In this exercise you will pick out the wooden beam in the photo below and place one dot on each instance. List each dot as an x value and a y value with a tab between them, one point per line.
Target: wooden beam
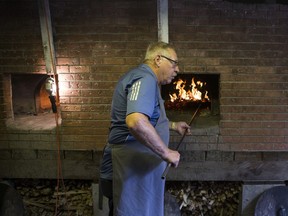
47	169
245	171
162	12
47	36
230	171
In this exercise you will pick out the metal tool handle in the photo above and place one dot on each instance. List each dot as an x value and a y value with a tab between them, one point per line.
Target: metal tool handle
182	138
166	171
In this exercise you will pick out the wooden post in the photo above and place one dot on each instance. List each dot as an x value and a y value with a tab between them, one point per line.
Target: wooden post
162	10
47	36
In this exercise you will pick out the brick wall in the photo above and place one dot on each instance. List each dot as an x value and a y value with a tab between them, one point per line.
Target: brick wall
247	45
97	41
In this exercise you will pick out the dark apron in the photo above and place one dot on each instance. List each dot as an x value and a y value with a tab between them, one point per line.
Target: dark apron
137	185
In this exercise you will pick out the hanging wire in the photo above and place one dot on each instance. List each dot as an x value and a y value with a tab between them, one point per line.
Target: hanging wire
60	179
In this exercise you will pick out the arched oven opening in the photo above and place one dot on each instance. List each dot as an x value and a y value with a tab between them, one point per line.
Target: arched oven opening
29	96
31	107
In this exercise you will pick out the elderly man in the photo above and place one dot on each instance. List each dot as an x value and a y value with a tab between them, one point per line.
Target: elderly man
137	150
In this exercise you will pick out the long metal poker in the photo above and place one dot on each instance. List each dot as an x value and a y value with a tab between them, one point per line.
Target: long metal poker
181	140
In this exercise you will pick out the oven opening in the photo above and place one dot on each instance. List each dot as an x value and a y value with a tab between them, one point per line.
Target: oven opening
187	92
29	105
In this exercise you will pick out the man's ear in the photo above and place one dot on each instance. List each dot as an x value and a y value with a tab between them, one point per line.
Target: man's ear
157	60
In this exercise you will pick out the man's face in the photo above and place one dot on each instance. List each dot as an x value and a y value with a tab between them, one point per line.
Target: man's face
169	67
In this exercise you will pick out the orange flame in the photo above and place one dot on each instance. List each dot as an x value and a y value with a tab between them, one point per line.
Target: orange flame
192	94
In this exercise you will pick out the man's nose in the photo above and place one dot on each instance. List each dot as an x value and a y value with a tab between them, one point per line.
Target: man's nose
176	69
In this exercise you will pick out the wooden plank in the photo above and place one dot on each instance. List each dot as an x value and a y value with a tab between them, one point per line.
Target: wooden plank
162	12
47	169
47	36
230	171
187	171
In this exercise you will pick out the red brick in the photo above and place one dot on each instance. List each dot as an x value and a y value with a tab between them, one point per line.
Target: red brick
79	69
71	108
67	61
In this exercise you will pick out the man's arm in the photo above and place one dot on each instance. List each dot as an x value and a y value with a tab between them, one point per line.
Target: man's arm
141	128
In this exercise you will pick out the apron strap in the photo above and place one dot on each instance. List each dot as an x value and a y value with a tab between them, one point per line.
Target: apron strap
100	196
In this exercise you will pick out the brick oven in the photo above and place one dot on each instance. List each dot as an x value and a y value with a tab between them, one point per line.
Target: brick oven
187	92
183	97
239	50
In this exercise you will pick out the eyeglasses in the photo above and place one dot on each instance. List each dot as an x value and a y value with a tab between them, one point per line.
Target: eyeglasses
173	62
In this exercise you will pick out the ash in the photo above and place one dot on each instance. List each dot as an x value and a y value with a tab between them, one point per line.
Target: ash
40	197
206	198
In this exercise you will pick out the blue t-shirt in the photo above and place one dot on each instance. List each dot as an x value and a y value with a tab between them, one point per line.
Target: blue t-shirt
136	91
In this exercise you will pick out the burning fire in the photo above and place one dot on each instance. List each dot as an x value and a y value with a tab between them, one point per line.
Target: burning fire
194	92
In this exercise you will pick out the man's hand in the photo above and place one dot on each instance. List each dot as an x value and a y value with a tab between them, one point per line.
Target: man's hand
181	127
172	157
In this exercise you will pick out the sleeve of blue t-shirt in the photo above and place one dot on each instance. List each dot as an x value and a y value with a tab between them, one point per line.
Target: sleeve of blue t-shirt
142	96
